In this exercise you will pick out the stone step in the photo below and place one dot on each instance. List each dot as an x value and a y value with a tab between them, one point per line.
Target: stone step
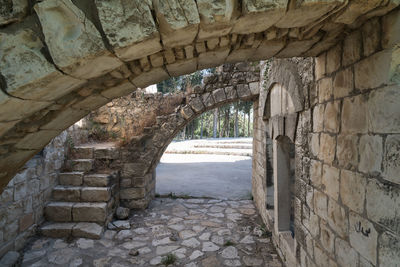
65	230
77	212
71	178
81	165
81	193
79	152
79	178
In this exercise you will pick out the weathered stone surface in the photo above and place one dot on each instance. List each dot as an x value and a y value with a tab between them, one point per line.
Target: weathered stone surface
71	193
59	211
383	205
216	17
57	230
384	110
354	115
178	21
391	26
122	213
71	178
119	90
389	249
343	83
96	180
330	180
321	204
345	254
13	10
257	16
337	219
347	151
182	67
84	54
95	194
306	12
352	190
391	157
37	140
331	117
153	76
129	27
212	58
365	245
18	61
89	212
10	259
356	9
87	230
371	152
327	148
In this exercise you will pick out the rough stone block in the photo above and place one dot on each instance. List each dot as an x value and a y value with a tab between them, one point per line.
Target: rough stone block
243	91
327	148
314	144
371	36
13	11
84	55
347	151
389	249
343	83
27	73
318	118
384	110
133	193
95	194
187	112
59	211
62	193
120	90
208	100
327	237
71	178
325	89
82	152
316	173
391	29
365	245
64	118
352	48
96	180
57	230
89	212
352	190
354	115
129	27
391	159
304	13
219	95
345	254
216	17
355	9
376	70
153	76
294	48
333	58
371	154
196	104
257	16
321	204
178	21
212	58
320	66
87	230
331	117
82	165
383	205
267	49
182	67
330	181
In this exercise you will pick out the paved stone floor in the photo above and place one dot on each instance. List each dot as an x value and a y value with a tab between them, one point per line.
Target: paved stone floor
193	232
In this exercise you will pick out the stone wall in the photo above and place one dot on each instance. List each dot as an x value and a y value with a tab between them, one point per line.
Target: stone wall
23	200
346	133
145	124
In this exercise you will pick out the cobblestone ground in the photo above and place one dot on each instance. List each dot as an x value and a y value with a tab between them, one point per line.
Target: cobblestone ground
183	232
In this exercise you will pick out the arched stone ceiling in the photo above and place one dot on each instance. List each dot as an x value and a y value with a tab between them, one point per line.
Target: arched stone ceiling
59	59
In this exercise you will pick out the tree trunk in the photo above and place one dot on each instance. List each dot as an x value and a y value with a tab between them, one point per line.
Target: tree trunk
192	130
248	125
220	131
215	118
227	123
201	127
236	134
244	124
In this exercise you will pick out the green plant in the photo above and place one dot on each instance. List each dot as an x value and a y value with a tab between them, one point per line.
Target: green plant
70	142
169	259
229	243
157	195
265	231
172	195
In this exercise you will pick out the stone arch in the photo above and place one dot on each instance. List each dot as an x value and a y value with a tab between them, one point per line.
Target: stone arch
51	78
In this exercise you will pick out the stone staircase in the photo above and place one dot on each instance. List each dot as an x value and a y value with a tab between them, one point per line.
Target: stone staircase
85	200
